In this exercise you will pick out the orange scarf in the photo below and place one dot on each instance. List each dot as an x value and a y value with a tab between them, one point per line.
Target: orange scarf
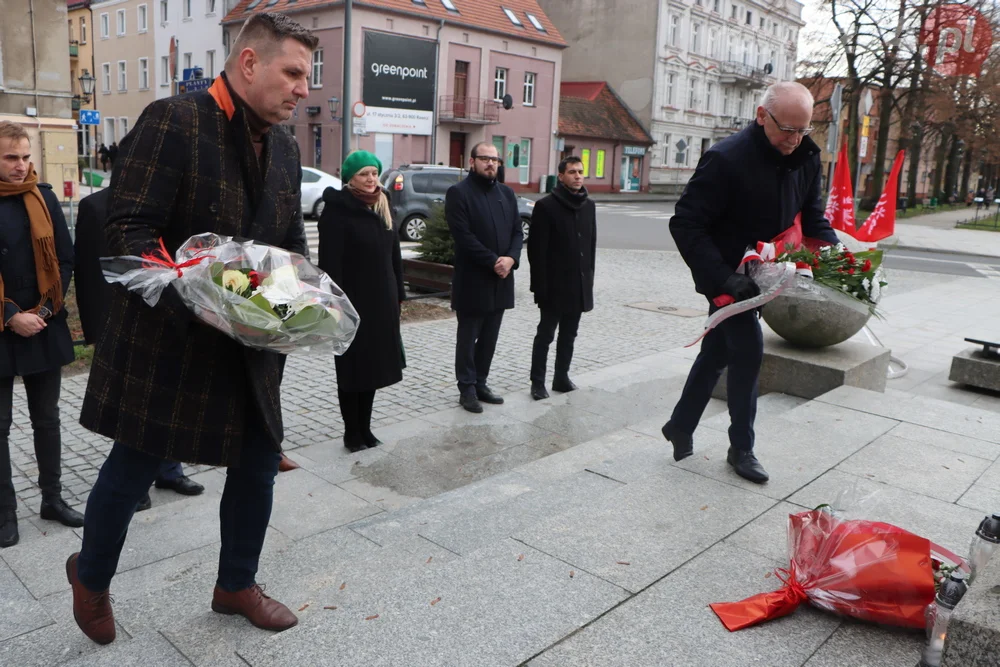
42	241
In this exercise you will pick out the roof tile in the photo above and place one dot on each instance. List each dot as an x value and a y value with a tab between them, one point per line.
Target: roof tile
593	109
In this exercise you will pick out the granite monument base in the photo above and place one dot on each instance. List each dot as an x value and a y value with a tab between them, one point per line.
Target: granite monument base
974	629
976	369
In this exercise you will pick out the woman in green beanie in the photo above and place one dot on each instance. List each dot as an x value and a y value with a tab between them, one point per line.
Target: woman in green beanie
359	249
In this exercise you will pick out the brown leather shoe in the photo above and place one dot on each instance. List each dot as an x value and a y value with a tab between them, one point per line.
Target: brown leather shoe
253	605
91	610
286	464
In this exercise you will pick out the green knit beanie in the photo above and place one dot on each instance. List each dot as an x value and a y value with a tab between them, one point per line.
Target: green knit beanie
357	161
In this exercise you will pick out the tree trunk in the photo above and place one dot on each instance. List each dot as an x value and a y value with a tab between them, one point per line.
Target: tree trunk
913	176
967	170
940	154
954	160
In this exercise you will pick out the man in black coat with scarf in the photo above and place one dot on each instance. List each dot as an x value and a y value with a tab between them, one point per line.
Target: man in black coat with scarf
561	254
483	219
747	188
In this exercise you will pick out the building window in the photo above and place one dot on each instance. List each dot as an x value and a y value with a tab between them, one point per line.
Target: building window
692	93
731	49
749	18
122	77
713	44
734	11
696	38
187	8
165	71
675	30
225	44
529	89
535	22
709	90
499	83
210	64
164	13
83	30
109	131
666	149
525	161
120	22
599	167
585	162
105	26
141	15
741	111
762	23
143	73
450	6
187	61
681	158
726	102
746	52
106	78
774	28
210	7
513	17
317	69
124	126
715	5
671	81
774	60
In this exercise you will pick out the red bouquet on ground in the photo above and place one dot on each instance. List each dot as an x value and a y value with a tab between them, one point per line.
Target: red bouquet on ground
868	570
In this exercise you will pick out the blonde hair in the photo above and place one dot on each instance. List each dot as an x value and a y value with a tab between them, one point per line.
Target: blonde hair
382	208
11	130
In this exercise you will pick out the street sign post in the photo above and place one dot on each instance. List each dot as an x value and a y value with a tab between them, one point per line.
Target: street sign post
193	84
90	117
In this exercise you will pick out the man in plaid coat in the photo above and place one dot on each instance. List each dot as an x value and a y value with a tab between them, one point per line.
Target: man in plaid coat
162	385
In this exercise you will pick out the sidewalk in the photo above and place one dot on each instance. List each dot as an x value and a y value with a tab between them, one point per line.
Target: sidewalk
937	232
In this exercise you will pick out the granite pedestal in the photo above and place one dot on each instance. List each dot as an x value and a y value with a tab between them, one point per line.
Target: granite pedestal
974	629
808	373
976	369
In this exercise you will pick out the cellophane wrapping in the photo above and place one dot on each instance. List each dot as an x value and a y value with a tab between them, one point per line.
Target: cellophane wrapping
276	300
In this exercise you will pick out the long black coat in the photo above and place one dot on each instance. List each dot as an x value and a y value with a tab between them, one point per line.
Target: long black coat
52	347
363	258
162	382
485	224
742	192
563	251
93	292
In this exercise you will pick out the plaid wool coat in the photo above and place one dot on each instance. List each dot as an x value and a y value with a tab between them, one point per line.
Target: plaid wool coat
162	382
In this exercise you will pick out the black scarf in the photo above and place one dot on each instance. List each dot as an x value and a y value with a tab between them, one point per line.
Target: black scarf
482	181
574	200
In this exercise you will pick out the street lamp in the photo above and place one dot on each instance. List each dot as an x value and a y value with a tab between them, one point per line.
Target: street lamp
87	88
334	104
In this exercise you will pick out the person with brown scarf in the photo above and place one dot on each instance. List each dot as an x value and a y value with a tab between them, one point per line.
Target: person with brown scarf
36	261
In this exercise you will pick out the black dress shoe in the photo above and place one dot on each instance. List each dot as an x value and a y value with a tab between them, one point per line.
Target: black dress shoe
371	440
144	504
182	485
562	383
57	510
469	401
8	529
747	466
682	442
538	391
354	444
486	395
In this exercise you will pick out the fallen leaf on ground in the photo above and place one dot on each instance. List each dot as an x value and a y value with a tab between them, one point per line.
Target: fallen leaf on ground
946	467
310	495
707	459
429	559
343	586
962	460
767	576
329	607
521	557
435	601
624	562
379	500
371	618
572	574
704	507
303	607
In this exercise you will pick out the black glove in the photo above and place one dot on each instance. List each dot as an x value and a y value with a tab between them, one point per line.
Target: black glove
740	287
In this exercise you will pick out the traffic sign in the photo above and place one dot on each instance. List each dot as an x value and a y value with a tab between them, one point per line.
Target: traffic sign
193	85
90	117
358	109
864	147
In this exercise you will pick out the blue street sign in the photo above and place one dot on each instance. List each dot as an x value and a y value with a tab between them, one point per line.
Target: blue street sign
193	85
192	73
90	117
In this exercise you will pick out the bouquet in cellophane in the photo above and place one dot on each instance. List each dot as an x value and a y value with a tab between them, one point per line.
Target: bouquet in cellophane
262	296
868	570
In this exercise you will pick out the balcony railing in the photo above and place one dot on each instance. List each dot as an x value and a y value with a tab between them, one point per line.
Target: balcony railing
468	110
74	49
733	123
737	72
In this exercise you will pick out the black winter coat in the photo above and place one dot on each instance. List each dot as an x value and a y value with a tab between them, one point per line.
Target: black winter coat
52	347
562	251
742	192
93	292
483	219
363	258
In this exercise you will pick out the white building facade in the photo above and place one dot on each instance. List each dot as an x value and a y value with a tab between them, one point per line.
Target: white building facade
196	28
714	59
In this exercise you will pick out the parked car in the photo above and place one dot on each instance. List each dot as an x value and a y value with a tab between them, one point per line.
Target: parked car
414	188
314	182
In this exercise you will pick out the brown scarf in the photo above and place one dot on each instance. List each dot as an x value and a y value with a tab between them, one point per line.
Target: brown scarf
43	242
366	198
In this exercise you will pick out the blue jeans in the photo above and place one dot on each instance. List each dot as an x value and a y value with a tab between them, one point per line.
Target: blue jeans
244	511
737	343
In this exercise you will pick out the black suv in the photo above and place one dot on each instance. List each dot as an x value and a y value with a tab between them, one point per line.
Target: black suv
414	188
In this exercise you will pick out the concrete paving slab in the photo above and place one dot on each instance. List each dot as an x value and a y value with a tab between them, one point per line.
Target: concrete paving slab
652	526
867	645
23	560
331	461
671	623
494	609
148	650
947	441
917	467
305	504
20	613
981	497
767	535
578	425
492	464
615	446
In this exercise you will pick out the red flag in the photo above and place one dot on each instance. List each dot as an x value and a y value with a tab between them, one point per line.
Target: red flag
881	224
840	205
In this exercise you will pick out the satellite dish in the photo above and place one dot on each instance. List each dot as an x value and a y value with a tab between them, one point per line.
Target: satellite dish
768	68
508	102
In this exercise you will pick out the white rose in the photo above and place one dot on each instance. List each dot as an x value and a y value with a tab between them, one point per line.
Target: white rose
235	281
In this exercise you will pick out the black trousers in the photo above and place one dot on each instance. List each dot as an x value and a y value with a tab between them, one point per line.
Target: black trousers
474	347
43	409
737	343
356	410
568	324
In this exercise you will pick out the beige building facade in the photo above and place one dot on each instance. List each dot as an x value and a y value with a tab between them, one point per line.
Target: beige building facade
81	61
124	49
35	87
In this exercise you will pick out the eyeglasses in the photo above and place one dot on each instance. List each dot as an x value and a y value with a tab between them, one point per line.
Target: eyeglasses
804	131
487	158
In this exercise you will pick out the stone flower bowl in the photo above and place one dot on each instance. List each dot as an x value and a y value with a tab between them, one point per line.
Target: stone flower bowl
807	321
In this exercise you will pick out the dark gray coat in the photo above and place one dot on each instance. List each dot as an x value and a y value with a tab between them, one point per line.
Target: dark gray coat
52	347
483	219
562	252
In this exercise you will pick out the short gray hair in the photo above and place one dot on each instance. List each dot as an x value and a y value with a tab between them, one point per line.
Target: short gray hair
785	89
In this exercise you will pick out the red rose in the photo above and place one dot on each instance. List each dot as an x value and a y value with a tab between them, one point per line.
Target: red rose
850	271
850	259
254	279
867	266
